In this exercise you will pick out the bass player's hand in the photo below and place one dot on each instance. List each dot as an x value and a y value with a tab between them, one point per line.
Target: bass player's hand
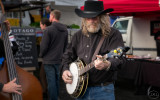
67	76
12	87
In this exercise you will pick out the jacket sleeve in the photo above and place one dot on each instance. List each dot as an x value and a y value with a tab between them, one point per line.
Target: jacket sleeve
70	55
44	43
65	42
116	41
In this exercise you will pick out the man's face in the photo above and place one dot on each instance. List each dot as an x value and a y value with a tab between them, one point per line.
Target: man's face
51	18
92	24
48	9
43	27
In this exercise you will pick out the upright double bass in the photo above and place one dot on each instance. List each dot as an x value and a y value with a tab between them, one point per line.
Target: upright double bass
31	88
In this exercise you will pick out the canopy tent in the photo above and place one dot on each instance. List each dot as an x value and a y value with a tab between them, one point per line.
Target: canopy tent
132	7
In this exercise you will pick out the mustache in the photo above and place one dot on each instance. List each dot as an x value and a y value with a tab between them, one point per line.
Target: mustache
94	24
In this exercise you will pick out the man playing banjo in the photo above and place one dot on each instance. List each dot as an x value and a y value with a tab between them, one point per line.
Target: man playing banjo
95	24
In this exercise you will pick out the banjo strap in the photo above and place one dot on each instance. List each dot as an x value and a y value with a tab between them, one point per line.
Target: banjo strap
98	48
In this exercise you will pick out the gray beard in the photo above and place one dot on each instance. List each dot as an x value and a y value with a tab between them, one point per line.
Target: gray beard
94	30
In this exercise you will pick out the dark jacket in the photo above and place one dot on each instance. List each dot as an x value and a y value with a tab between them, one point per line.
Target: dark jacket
53	44
157	35
1	86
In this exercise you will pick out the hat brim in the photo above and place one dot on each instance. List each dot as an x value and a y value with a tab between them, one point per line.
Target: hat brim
86	14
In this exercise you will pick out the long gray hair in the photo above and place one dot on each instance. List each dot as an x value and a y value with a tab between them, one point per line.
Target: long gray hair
104	22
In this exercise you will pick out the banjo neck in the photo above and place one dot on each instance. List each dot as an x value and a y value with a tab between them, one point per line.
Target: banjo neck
86	68
91	65
116	53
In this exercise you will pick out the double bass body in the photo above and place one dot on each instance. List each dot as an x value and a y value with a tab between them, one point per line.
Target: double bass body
31	88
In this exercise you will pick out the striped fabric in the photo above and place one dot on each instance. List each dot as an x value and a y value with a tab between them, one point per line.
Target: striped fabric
12	38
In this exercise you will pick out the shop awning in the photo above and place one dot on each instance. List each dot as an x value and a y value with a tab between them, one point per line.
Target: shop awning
132	7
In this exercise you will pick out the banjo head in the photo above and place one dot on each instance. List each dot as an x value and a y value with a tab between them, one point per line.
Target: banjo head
74	71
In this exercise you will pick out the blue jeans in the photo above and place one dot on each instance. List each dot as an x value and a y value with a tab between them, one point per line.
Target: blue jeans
52	76
99	93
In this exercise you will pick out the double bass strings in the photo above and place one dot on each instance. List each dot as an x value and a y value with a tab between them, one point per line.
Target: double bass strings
10	60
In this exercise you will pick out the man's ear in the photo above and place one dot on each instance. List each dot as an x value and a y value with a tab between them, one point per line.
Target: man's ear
53	16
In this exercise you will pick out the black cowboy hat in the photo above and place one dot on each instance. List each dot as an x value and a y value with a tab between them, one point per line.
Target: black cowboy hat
92	9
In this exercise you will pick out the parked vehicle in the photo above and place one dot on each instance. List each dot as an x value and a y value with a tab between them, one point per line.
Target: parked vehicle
14	18
136	33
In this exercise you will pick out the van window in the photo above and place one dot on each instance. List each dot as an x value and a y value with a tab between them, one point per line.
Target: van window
121	26
15	14
9	15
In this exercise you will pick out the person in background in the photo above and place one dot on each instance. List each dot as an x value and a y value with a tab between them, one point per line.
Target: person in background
48	9
95	24
44	23
53	44
113	18
157	39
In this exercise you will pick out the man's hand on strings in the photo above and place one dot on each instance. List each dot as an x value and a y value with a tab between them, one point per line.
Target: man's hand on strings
101	63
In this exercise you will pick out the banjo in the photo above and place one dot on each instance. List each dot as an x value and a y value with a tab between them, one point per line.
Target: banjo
80	76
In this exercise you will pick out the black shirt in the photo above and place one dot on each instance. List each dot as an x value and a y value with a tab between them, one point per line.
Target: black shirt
83	46
1	86
14	48
2	53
